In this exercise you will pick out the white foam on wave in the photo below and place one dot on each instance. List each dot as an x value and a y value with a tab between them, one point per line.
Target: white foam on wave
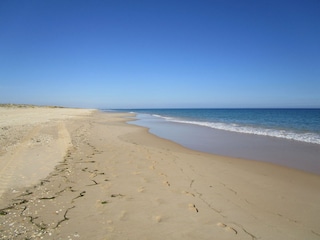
232	127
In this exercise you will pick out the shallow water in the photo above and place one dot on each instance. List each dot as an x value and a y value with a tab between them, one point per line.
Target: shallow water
293	124
295	154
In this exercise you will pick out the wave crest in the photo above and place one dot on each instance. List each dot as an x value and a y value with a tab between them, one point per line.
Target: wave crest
232	127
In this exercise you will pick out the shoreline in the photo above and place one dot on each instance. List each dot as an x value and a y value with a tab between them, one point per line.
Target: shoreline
283	152
118	181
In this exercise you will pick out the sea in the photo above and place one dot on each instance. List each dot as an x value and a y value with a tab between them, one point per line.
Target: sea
289	137
294	124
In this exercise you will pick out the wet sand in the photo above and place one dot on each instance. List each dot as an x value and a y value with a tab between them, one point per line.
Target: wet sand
117	181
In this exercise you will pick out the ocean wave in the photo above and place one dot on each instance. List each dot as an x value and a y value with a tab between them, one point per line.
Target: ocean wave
232	127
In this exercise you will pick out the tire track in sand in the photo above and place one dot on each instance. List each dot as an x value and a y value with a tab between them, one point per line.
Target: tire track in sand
29	162
11	160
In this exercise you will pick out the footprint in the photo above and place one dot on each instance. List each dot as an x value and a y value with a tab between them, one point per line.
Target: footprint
145	180
152	167
227	228
219	224
141	189
110	226
193	207
166	183
188	193
157	219
123	215
117	195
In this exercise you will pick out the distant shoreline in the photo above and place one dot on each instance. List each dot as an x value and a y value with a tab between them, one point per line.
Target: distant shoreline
13	105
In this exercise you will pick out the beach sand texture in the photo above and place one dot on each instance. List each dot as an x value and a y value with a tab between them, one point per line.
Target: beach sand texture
83	174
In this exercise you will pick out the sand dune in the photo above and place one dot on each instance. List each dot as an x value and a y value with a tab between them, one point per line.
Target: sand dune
117	181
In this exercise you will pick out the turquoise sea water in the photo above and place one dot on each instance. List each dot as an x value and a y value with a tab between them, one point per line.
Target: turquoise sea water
294	124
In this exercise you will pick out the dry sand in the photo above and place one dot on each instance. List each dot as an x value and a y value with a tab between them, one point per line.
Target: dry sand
96	177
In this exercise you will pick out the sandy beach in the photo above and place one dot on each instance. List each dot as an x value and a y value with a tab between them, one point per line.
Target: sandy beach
83	174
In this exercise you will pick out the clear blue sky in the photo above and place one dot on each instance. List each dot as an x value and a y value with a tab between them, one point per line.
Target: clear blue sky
165	53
